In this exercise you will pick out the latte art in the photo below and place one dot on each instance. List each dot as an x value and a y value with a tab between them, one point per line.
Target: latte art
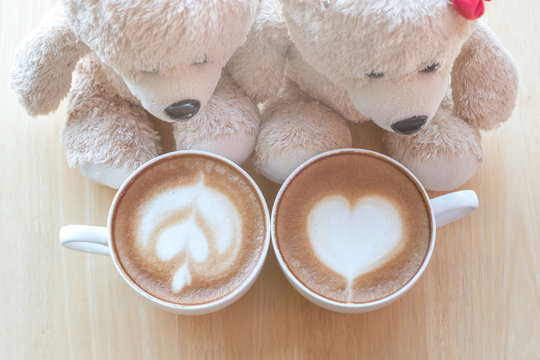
196	223
189	229
351	227
353	239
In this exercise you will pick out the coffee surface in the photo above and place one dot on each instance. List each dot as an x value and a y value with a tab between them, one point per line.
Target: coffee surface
352	227
189	229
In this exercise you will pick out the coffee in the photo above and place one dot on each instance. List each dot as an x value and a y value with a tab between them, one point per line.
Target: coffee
188	229
352	227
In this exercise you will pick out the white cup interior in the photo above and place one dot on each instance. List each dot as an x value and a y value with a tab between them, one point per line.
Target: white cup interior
330	303
195	309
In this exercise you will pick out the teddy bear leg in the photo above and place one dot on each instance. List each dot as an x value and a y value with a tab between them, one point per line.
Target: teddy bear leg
294	129
226	126
443	155
106	137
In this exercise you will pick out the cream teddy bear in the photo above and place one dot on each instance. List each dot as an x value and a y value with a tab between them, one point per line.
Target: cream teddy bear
418	69
137	61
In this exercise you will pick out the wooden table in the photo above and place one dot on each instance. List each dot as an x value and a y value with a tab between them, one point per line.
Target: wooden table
478	299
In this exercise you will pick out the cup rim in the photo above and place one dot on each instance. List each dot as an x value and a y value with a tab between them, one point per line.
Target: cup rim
336	305
208	306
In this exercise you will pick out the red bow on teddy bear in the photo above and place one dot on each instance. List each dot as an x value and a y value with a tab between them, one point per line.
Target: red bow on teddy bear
469	9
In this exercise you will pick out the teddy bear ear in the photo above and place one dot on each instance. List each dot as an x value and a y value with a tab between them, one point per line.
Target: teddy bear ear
44	62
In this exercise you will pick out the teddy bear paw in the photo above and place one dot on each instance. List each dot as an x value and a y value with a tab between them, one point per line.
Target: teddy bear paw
443	172
443	155
106	174
235	148
279	166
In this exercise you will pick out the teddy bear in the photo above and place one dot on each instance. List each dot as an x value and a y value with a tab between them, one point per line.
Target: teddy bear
427	72
126	65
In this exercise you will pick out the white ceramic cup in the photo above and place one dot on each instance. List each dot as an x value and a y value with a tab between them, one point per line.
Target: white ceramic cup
442	210
95	239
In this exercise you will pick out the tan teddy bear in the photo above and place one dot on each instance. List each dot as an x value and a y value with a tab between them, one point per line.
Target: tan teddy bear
138	61
418	69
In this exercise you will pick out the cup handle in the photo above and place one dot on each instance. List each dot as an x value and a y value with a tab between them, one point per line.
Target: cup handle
451	207
91	239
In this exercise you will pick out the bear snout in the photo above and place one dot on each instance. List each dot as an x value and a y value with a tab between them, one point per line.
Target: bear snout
409	126
183	110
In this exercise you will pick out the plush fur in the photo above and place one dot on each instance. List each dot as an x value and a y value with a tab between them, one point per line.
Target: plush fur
135	59
294	111
225	126
39	86
369	59
262	57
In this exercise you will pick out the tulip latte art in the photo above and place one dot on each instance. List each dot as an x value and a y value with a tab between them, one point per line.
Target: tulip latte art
189	230
352	227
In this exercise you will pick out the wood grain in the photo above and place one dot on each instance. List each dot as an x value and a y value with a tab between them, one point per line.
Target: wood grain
478	299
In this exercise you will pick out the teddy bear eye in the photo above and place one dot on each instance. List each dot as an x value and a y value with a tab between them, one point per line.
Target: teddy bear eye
375	75
431	68
203	61
152	71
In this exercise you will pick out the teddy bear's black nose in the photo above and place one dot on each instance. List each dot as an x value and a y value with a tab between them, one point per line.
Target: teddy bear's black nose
409	126
183	110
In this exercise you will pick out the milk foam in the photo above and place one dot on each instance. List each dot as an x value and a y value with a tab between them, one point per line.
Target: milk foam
205	228
353	239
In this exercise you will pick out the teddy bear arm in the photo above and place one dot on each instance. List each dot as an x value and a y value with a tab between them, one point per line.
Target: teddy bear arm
228	125
105	136
484	81
443	155
295	128
258	66
44	62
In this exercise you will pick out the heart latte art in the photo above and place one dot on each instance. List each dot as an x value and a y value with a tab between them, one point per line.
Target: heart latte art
352	227
352	239
190	229
196	224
